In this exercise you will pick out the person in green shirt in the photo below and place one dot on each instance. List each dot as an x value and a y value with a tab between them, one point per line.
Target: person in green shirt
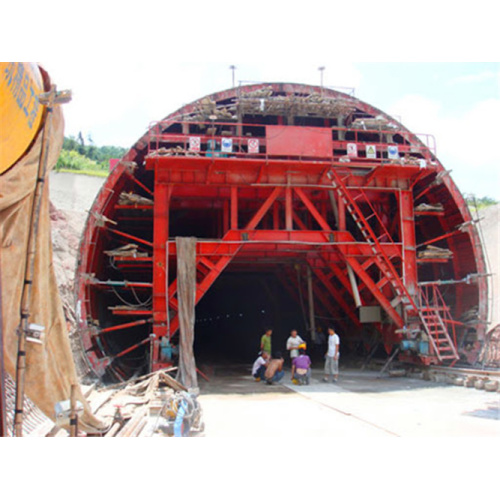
265	341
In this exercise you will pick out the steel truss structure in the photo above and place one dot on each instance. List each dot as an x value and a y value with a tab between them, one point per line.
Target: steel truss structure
283	178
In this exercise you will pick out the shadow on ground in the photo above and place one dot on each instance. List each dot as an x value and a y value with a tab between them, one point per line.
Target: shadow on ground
237	379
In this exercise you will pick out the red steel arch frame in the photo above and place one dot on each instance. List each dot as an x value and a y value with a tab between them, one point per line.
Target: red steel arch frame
276	206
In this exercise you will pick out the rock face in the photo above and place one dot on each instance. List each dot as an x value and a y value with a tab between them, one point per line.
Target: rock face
66	230
71	196
489	225
490	228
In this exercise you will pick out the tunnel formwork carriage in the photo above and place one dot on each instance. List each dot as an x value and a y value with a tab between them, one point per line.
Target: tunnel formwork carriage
330	204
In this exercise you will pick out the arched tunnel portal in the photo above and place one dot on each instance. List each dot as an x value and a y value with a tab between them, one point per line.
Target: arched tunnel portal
307	207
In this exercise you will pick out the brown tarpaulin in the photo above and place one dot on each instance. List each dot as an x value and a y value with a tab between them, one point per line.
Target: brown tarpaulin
50	371
186	293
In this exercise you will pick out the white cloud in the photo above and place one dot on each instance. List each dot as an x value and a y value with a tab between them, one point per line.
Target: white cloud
474	78
115	101
466	144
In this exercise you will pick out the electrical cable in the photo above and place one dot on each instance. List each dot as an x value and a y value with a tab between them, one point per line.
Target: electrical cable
132	306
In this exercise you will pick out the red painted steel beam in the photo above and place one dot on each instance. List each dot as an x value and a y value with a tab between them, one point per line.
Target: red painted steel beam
217	268
163	194
409	263
132	312
254	222
335	293
130	237
341	276
372	287
132	348
139	183
440	238
292	283
325	300
123	326
312	209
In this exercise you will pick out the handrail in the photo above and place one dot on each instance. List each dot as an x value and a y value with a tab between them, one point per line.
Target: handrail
240	133
433	298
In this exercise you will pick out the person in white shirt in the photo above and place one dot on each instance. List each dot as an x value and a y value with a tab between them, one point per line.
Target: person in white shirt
332	356
259	366
292	344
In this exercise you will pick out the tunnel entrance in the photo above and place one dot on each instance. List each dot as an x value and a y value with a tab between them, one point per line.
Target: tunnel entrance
236	311
280	179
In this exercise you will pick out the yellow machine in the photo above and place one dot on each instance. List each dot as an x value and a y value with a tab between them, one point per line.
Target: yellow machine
20	110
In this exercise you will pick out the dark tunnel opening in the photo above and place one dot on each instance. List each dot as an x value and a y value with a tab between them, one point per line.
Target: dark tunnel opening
236	311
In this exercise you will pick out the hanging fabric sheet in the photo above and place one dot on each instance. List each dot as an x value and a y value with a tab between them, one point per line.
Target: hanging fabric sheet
186	293
50	370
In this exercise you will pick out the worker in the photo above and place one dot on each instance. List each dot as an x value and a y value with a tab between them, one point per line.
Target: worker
332	356
274	371
301	368
168	351
259	366
319	341
265	341
292	345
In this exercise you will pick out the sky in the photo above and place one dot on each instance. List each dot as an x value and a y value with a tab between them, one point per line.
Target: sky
131	63
456	103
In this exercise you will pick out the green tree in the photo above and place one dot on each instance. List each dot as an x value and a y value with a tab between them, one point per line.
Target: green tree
78	156
482	202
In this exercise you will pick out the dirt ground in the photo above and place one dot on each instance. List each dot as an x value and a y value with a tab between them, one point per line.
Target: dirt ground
362	403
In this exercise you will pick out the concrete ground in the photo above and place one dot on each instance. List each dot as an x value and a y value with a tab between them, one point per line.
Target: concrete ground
360	404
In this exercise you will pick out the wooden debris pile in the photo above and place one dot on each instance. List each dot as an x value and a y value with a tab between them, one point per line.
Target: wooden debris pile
433	252
263	103
470	316
411	160
35	423
133	199
377	123
153	405
490	353
208	110
173	151
427	207
130	250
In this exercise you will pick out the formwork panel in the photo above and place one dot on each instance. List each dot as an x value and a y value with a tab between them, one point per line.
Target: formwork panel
311	142
356	199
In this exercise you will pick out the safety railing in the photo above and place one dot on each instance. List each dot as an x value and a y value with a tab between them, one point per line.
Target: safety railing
347	144
432	298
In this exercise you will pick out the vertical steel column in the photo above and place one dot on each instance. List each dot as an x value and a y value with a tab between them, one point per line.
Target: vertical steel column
234	207
312	317
410	272
288	209
163	194
342	218
225	217
276	216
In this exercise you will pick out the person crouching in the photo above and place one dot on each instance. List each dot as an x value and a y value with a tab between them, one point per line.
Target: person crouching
259	366
301	368
274	371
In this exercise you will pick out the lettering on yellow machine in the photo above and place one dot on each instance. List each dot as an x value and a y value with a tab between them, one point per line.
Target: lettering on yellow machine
20	110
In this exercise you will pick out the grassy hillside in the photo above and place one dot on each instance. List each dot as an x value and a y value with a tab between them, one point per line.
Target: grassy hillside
81	158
